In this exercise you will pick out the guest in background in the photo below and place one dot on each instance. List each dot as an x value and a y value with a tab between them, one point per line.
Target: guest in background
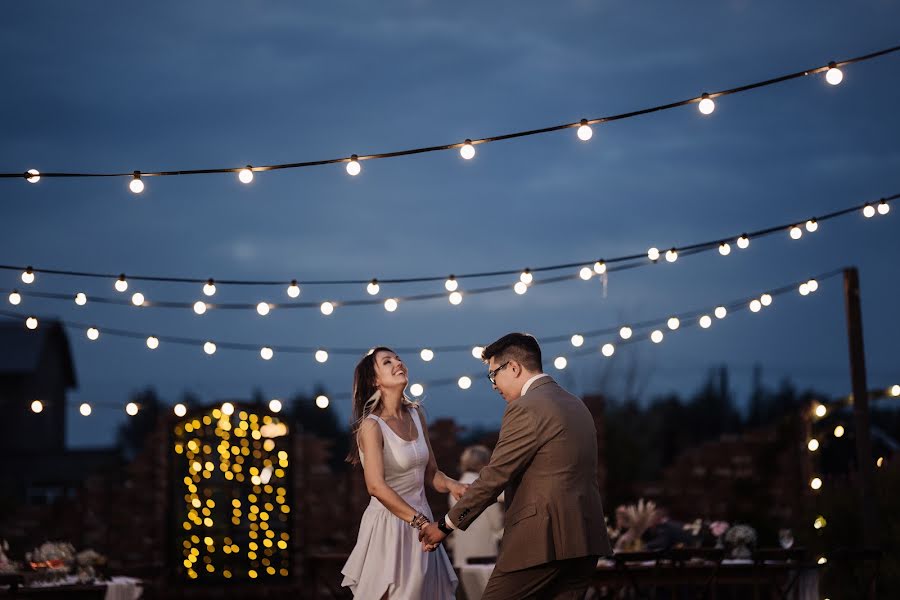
665	533
483	535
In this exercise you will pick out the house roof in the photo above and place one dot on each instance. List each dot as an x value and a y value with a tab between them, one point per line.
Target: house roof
21	349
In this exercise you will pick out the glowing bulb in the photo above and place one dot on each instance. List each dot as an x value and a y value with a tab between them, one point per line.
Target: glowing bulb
804	289
121	284
266	353
599	267
180	410
724	249
755	306
262	308
275	405
327	308
85	409
15	298
520	288
451	284
293	290
839	431
766	299
80	299
584	131
137	299
812	225
93	333
820	522
880	461
673	323
210	288
28	276
625	332
834	75
321	356
868	211
816	483
743	242
152	342
209	348
526	277
33	176
136	185
455	298
199	307
467	151
560	362
657	336
895	391
608	350
586	273
373	288
37	406
653	254
228	409
721	312
476	352
706	106
464	382
813	285
390	304
322	401
822	560
883	207
416	389
821	411
31	323
577	340
353	167
131	408
246	174
705	322
813	445
672	255
426	355
796	233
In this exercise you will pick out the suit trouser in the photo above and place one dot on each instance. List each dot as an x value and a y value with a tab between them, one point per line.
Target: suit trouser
557	580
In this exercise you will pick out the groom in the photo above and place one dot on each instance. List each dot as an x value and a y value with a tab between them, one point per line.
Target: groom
546	460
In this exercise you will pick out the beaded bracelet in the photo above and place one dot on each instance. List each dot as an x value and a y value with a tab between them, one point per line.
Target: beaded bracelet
418	521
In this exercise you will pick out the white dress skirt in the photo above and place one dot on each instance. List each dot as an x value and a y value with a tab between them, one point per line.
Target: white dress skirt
388	556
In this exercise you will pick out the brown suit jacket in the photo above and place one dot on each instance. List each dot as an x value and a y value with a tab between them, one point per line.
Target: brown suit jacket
546	460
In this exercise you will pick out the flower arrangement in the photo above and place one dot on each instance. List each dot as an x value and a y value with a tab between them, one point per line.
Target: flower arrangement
6	565
741	540
637	518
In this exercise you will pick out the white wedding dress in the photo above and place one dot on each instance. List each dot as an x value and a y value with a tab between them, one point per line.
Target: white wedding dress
388	556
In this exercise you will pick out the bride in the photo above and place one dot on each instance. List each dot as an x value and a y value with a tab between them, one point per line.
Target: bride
391	437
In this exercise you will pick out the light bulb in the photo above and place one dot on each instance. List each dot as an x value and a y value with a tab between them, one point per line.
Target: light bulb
263	308
813	445
321	356
28	276
476	352
608	350
246	174
353	167
327	308
672	255
209	348
426	355
131	408
706	106
80	299
293	290
834	75
721	312
85	409
373	288
599	267
879	462
560	362
653	254
812	225
416	389
137	299
585	273
33	176
152	342
199	307
15	298
121	283
673	323
816	483
625	332
467	151
883	207
520	288
813	285
136	185
895	391
37	406
464	382
839	431
390	304
93	333
804	289
584	131
455	298
322	401
743	242
820	522
724	249
868	211
657	336
577	340
451	284
275	405
820	410
526	277
705	322
765	299
796	233
210	288
266	353
755	306
31	323
180	410
228	409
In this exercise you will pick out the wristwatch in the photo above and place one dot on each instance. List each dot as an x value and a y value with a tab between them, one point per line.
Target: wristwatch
442	525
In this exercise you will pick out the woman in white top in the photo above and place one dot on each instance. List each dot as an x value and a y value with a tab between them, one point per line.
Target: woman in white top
391	438
482	538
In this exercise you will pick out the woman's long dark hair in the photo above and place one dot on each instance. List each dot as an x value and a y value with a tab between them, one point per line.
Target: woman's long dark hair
363	404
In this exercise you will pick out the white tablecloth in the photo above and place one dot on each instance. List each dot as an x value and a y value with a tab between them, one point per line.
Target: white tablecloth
117	588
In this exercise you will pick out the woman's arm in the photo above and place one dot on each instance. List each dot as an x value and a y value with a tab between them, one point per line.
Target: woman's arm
372	443
434	476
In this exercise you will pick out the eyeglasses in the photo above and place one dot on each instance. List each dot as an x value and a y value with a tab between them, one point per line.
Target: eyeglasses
492	375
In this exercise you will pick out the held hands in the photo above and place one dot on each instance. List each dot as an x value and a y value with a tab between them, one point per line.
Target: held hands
457	489
431	537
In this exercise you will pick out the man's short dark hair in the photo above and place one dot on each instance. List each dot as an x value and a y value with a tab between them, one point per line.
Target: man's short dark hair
520	347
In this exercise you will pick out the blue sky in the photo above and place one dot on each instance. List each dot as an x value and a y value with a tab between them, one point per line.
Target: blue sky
109	87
